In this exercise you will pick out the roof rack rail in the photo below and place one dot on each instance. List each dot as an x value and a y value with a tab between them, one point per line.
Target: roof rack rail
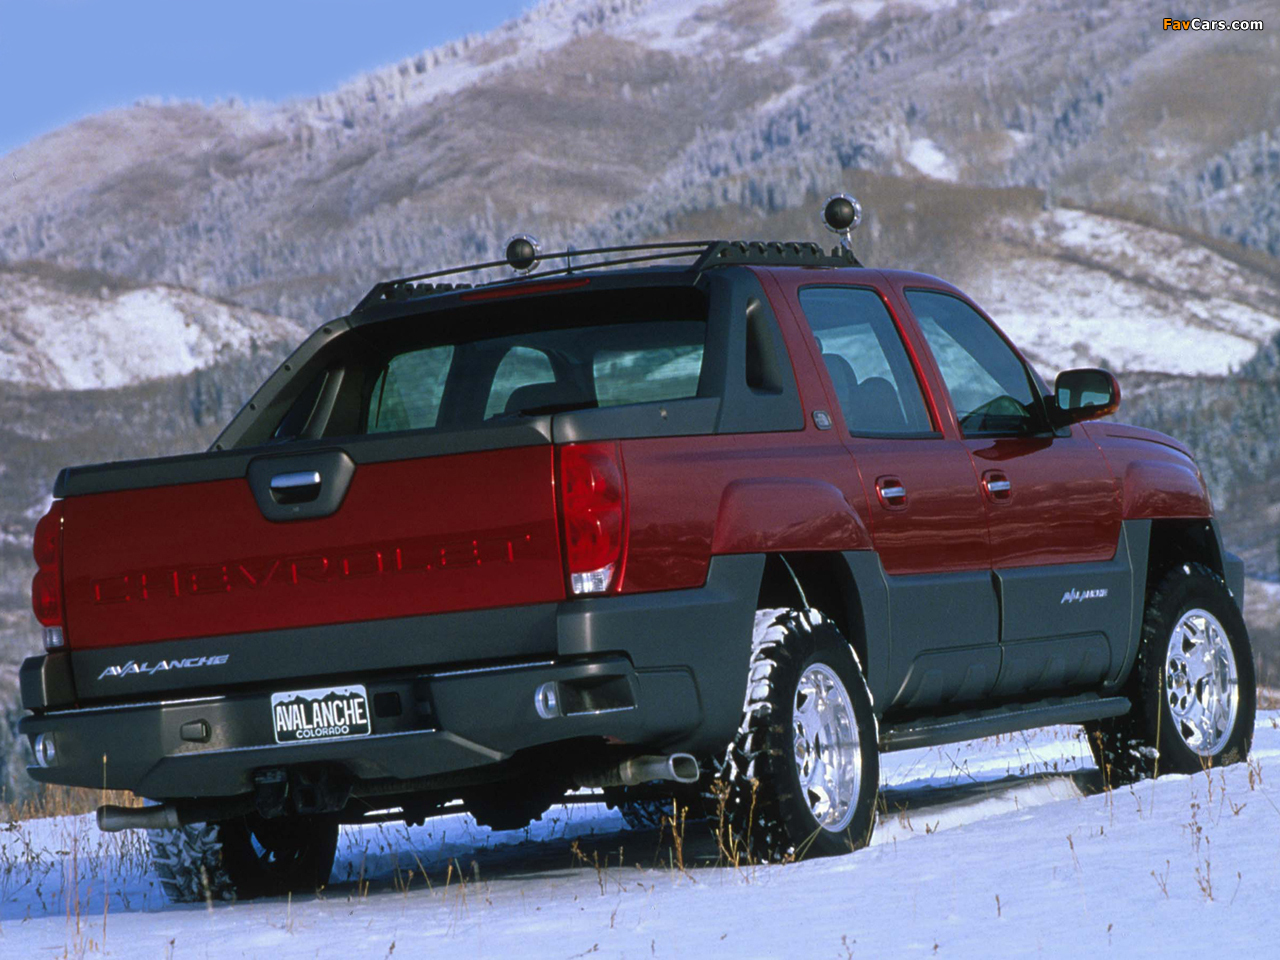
707	253
773	253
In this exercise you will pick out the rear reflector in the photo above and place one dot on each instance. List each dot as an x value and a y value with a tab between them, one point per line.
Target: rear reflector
593	504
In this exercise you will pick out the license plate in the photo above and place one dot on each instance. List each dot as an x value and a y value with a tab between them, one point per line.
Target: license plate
328	713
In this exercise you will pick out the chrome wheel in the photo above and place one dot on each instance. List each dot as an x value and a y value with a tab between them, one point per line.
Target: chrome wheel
827	757
1201	682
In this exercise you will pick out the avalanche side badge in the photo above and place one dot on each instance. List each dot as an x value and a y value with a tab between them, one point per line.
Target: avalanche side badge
328	713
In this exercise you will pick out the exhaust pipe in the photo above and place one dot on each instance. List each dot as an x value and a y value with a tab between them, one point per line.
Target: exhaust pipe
113	819
168	816
678	767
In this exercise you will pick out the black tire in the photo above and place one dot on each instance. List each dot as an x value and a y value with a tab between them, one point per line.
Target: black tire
1148	741
188	863
244	857
767	809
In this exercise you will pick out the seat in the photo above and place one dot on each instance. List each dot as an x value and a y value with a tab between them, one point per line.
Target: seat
843	379
876	408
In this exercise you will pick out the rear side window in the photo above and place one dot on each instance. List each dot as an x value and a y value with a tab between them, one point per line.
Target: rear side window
874	380
989	385
407	394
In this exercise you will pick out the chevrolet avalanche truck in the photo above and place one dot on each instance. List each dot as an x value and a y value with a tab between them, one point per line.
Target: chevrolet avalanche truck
734	526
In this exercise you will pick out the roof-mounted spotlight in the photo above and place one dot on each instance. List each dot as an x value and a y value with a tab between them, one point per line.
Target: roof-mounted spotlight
523	251
842	213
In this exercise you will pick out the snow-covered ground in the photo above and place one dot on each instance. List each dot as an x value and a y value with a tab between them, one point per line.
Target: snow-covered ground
998	848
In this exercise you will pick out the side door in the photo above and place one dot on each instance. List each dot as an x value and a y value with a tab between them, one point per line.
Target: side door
1053	508
927	518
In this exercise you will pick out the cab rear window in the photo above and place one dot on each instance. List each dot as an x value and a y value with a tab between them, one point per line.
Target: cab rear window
603	350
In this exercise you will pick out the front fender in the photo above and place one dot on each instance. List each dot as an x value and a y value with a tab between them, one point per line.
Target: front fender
775	514
1163	488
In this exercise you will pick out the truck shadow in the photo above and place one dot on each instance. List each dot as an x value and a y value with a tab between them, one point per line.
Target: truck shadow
586	841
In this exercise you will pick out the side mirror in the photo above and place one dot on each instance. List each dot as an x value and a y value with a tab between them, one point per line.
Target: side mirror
1085	394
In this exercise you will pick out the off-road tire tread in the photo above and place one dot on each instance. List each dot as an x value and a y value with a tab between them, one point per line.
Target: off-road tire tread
188	863
757	771
645	814
1127	748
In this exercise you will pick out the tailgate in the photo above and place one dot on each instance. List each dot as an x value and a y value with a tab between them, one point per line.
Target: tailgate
407	537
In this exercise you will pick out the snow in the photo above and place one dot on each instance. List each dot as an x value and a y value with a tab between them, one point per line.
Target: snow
767	30
1082	289
927	157
62	339
704	30
1005	847
997	17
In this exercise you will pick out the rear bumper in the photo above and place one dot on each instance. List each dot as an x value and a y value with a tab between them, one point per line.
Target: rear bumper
160	750
674	665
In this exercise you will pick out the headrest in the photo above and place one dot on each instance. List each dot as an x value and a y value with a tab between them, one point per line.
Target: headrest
878	408
842	376
534	395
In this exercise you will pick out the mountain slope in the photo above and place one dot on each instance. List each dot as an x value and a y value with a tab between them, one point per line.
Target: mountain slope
586	117
74	330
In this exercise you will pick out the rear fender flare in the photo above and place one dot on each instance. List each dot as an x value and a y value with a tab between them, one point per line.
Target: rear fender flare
777	515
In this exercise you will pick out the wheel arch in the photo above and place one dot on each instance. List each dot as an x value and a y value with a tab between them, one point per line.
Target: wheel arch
1176	541
1164	544
846	588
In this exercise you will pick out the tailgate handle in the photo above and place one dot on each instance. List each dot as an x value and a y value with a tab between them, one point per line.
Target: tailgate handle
300	486
303	486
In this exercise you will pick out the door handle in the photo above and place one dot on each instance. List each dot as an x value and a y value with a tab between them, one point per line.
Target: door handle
891	492
997	486
300	486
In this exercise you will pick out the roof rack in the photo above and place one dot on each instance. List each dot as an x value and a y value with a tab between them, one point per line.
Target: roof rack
706	254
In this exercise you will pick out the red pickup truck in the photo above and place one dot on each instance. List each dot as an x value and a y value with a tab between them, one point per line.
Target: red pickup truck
629	525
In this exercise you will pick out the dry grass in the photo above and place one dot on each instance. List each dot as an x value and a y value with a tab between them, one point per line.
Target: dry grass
58	801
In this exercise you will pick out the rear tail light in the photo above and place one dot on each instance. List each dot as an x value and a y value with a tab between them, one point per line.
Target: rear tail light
46	597
593	503
46	586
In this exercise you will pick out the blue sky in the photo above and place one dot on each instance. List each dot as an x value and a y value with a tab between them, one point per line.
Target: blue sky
64	59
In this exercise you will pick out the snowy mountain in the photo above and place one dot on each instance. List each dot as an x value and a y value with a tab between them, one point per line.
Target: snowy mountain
1074	288
58	332
1109	191
587	119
